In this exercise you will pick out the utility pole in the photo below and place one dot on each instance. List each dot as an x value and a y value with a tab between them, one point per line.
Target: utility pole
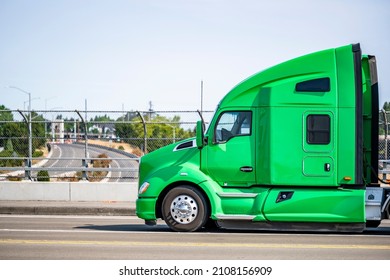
201	96
150	110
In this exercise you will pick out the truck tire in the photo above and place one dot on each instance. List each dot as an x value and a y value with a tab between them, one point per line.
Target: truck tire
184	208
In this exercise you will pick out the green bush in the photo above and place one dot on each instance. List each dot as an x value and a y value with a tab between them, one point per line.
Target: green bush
9	162
43	176
37	153
14	178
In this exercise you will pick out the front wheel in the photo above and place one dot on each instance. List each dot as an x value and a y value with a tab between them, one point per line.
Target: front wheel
184	208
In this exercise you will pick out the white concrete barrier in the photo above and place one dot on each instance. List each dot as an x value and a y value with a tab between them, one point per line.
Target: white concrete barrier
103	191
68	191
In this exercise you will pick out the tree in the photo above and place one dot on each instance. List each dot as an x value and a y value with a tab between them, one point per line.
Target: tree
9	146
69	125
386	106
161	131
127	128
38	131
8	130
6	116
15	134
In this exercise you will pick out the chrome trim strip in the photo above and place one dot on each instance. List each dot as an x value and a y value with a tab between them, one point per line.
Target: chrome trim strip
236	217
240	195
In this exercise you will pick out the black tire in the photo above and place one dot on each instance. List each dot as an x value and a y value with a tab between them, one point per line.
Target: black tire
184	208
211	224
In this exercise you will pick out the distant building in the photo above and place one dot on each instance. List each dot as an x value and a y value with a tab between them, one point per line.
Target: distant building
106	131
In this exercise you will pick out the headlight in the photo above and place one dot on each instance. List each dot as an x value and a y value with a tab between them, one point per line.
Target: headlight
143	188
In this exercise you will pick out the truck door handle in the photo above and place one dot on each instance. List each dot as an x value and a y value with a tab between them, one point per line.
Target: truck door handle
246	169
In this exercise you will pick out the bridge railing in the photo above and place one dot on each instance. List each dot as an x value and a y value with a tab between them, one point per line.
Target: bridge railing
82	169
77	145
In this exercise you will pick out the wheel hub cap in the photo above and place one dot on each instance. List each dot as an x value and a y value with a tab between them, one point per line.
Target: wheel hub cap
184	209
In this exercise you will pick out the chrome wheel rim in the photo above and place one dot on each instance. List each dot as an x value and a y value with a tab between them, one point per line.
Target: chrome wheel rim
184	209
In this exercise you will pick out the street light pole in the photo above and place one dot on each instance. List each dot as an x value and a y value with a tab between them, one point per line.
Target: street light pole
29	162
46	99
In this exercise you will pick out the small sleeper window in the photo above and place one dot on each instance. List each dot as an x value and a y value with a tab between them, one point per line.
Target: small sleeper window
316	85
318	129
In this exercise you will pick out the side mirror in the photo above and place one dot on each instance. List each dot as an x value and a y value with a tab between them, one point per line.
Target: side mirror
199	134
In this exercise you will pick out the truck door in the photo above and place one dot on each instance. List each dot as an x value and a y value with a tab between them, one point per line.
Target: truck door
229	157
318	146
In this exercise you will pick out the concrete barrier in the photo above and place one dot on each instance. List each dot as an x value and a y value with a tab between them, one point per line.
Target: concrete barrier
68	191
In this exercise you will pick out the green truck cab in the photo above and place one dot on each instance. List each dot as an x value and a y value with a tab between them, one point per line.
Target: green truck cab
294	147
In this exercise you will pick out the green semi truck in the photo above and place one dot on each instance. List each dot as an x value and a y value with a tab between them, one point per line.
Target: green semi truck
293	147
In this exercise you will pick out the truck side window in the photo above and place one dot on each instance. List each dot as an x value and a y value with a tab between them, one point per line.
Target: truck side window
318	129
231	124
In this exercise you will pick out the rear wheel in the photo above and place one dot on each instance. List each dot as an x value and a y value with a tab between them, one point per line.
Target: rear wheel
184	208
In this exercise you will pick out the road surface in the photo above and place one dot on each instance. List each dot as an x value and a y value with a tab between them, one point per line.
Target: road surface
127	238
69	156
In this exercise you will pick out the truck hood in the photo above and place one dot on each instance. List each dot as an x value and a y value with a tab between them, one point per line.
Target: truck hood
173	157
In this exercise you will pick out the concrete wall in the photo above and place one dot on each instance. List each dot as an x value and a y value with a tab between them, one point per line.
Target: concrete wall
68	191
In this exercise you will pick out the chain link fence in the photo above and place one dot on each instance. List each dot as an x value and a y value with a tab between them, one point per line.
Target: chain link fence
71	145
384	145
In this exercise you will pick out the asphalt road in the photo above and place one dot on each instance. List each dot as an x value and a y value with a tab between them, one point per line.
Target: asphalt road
69	156
124	238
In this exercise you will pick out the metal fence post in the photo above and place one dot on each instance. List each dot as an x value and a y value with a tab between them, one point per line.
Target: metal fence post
27	171
145	133
85	160
84	163
28	161
201	117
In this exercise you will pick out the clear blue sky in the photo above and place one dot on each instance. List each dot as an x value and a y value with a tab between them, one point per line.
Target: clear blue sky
118	53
